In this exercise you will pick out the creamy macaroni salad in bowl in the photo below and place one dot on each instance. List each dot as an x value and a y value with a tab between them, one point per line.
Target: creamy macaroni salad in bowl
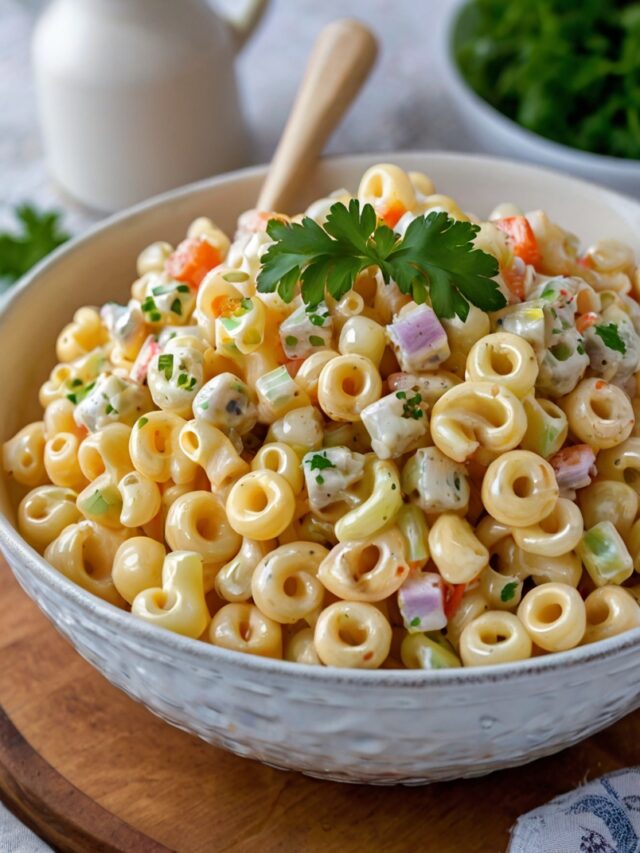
394	432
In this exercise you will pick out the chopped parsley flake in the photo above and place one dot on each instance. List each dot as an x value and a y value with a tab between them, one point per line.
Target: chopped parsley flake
401	395
580	349
415	622
291	340
246	303
204	406
318	319
316	341
149	304
183	379
165	364
411	409
611	337
142	422
320	479
508	591
456	482
183	288
78	396
176	307
318	462
155	317
108	409
548	293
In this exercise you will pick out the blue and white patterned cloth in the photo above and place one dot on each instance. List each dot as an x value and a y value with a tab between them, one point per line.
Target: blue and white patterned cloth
602	816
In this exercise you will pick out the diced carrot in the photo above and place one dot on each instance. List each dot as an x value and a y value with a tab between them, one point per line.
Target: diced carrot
586	261
522	241
223	305
600	384
585	321
393	213
514	279
192	260
452	597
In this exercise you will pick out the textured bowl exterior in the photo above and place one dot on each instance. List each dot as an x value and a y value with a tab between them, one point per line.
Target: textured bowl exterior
381	726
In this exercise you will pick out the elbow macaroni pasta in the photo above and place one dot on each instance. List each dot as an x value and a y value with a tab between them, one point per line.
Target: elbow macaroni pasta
362	483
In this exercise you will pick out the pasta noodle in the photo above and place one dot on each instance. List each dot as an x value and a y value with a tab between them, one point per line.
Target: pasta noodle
354	465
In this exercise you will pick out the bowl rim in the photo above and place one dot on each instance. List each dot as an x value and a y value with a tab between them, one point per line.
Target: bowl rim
619	166
196	651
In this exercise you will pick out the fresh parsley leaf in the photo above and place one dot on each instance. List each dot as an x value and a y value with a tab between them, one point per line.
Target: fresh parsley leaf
611	337
165	364
508	591
318	462
39	234
435	258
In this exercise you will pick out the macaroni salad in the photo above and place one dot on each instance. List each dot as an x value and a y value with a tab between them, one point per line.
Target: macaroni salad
383	475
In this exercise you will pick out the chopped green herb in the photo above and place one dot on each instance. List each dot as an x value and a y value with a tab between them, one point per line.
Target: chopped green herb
183	379
291	340
319	479
143	421
176	307
192	383
162	290
318	462
508	591
155	316
204	405
435	257
456	482
611	337
75	383
108	410
411	409
149	304
561	352
318	320
316	341
401	395
580	348
165	364
97	504
183	288
78	396
246	304
415	622
548	293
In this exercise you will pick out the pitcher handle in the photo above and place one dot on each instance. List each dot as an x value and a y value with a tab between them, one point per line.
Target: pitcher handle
244	22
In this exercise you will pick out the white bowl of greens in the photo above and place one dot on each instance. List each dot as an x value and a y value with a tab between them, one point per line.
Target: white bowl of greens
560	89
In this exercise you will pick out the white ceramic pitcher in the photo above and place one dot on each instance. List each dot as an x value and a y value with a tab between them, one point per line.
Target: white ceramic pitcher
138	96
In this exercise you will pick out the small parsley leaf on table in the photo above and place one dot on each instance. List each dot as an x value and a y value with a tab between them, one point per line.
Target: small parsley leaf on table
435	259
40	233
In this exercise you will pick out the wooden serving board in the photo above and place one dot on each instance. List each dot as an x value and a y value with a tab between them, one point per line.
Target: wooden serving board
91	770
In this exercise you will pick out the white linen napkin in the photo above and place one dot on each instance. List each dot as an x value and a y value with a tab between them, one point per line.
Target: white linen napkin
602	816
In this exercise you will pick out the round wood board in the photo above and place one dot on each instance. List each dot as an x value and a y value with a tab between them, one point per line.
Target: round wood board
91	770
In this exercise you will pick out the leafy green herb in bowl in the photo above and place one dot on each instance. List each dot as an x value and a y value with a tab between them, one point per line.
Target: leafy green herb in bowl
553	81
40	233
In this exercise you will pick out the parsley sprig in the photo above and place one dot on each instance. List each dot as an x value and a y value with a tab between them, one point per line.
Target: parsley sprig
435	258
40	233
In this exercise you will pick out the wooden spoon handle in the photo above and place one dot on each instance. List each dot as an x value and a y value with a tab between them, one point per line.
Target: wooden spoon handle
340	63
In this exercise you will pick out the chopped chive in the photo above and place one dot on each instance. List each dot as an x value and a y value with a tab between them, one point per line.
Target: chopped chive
291	340
143	422
316	341
176	307
165	364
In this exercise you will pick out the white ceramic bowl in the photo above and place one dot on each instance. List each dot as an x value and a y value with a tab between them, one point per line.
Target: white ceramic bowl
496	133
370	726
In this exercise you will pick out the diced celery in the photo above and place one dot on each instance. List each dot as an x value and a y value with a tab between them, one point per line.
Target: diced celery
413	526
418	651
604	554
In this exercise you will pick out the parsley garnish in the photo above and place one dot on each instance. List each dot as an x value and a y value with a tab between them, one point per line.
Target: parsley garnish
508	591
40	233
108	410
183	379
149	304
319	462
176	307
143	422
611	337
548	293
79	395
435	258
316	341
183	288
291	340
165	363
415	622
411	408
319	479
